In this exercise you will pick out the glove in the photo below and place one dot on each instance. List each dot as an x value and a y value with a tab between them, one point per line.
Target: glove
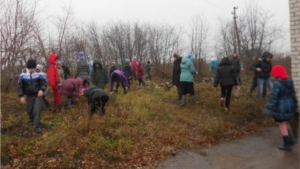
266	112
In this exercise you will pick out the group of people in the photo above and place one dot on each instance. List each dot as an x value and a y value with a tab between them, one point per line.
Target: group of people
34	81
283	104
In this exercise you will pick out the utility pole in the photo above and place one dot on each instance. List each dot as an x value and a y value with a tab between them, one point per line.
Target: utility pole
236	36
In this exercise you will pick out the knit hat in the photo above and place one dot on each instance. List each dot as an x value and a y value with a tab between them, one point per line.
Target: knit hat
279	72
190	56
81	56
31	63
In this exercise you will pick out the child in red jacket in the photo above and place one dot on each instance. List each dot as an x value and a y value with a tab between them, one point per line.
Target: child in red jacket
53	80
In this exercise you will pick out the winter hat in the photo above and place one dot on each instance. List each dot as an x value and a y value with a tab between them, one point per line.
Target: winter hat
40	67
190	56
81	56
31	63
279	72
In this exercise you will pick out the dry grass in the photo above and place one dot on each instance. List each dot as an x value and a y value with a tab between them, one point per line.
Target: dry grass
138	130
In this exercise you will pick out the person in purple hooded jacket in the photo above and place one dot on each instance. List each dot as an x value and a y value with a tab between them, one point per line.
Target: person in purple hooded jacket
118	76
72	87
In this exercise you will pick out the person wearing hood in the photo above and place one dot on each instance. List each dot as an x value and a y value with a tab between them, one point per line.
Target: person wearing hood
97	99
128	71
213	65
225	76
263	69
54	80
187	75
66	70
71	88
82	69
118	77
176	74
99	75
283	104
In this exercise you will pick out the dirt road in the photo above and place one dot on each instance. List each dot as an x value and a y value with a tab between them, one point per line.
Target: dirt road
254	152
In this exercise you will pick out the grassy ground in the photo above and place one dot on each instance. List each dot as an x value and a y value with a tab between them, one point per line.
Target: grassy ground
138	130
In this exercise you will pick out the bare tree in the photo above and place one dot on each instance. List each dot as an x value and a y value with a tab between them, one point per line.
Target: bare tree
16	29
198	39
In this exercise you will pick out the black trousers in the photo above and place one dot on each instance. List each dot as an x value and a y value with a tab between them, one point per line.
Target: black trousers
226	93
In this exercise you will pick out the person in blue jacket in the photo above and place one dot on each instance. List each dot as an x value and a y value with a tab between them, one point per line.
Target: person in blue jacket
213	65
283	104
187	75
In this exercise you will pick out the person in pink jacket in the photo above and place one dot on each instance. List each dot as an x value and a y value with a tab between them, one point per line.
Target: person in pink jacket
72	88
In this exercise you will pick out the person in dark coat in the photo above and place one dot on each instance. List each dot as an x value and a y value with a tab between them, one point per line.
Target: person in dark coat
148	70
99	75
225	76
263	69
176	74
97	99
66	70
128	71
32	85
72	88
237	66
254	83
82	69
118	77
283	104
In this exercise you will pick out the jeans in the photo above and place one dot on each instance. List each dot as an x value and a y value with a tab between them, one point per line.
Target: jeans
261	83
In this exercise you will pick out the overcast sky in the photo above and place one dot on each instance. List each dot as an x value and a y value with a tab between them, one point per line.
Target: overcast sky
173	12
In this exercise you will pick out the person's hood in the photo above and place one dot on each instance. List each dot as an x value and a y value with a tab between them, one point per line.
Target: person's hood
97	62
225	61
52	57
190	56
186	61
81	56
279	72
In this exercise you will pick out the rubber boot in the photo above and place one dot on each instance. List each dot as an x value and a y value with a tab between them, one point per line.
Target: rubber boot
286	144
183	100
195	101
292	137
